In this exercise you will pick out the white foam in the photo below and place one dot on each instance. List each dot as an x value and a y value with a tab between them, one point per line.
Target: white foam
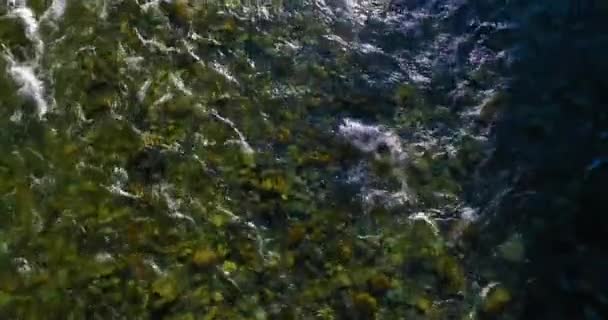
373	139
55	10
164	98
424	217
143	91
29	85
153	43
23	266
173	204
221	69
179	84
370	138
242	141
26	15
134	62
23	73
373	198
148	4
469	214
16	116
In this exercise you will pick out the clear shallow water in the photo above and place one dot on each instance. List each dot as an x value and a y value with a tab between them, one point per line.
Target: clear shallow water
183	161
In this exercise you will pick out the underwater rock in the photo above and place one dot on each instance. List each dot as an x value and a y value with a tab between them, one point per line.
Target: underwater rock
423	304
148	165
491	107
380	284
495	299
295	235
180	12
513	249
373	139
365	305
205	258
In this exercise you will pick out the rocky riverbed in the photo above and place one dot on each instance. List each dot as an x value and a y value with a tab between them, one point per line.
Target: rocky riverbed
302	159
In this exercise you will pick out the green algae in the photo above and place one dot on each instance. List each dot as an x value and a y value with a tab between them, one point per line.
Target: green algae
134	199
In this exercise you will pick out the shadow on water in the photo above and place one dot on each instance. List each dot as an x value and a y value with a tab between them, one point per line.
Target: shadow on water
550	141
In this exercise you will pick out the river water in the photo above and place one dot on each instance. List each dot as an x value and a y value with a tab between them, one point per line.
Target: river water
191	160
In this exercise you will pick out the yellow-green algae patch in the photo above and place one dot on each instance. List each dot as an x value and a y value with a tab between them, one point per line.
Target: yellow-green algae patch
187	171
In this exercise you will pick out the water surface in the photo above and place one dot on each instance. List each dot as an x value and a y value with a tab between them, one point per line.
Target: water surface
186	160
